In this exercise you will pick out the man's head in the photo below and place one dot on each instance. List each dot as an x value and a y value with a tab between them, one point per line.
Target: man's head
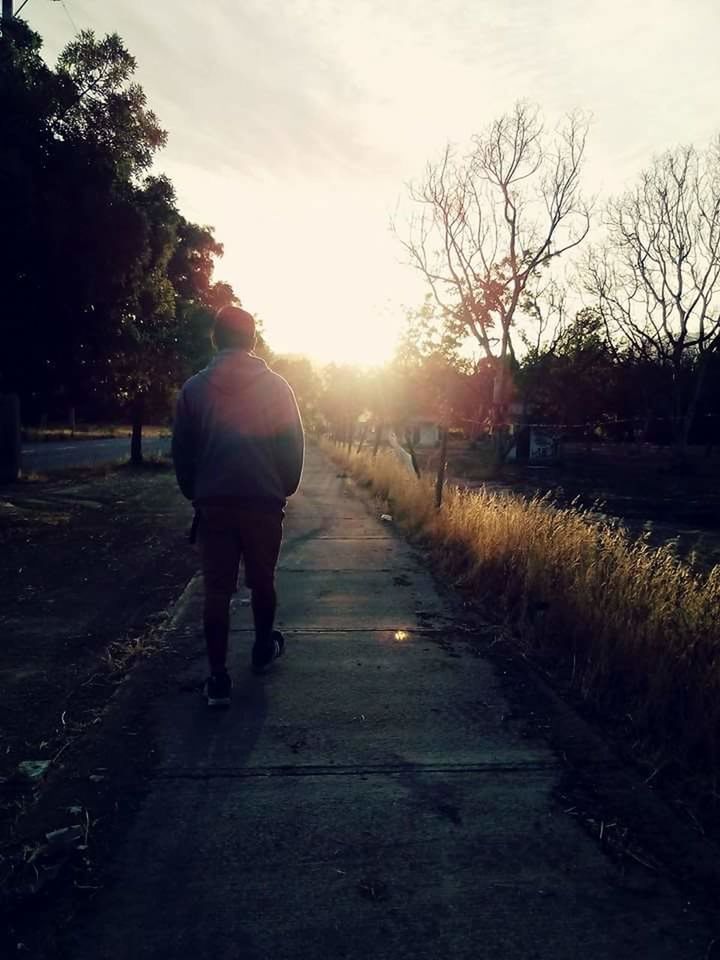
234	329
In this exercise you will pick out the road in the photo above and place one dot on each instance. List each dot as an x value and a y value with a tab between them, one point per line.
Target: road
56	455
376	795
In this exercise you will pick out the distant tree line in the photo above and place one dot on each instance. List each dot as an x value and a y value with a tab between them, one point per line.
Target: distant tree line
579	382
106	289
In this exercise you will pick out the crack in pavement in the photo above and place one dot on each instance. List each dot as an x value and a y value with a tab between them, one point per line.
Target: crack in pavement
353	770
290	632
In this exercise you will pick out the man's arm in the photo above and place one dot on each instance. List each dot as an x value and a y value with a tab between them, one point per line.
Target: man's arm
183	449
290	443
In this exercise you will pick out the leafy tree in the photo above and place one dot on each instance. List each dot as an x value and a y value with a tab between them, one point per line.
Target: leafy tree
307	384
573	379
102	107
164	336
108	291
344	400
79	140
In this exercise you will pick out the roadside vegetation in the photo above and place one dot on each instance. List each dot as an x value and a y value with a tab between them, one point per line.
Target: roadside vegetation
89	431
627	627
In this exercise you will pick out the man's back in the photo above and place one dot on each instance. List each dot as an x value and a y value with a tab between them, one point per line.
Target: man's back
238	448
238	434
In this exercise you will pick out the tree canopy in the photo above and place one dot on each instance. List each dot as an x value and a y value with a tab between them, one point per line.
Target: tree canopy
108	290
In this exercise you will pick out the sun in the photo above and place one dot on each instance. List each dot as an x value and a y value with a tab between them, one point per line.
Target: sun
370	343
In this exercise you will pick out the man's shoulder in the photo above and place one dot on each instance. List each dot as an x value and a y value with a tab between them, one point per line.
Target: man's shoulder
278	381
276	384
195	382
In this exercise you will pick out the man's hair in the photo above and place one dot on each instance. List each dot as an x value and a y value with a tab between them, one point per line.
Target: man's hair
234	329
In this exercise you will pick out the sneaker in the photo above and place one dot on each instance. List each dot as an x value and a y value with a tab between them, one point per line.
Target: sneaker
263	654
218	689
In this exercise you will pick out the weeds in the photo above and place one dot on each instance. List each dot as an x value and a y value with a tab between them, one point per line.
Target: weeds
631	628
90	471
87	432
121	655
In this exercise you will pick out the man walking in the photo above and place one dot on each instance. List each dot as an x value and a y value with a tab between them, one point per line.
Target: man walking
238	449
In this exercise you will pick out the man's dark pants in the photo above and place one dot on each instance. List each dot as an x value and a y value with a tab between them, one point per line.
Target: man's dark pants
229	534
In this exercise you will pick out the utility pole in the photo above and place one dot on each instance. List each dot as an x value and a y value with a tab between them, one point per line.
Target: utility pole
8	13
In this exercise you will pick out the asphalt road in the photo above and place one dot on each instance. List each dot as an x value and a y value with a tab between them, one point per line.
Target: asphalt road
374	797
55	455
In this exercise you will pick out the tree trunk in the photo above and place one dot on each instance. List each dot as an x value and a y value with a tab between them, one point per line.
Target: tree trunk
378	437
502	441
678	418
689	418
138	416
362	437
9	438
442	466
411	451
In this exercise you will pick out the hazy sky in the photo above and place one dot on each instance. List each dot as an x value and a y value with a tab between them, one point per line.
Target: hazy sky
294	124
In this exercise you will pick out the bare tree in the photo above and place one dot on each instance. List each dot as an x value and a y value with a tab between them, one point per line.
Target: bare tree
547	311
485	225
656	280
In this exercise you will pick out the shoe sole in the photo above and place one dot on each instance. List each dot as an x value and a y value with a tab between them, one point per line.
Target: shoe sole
278	651
218	701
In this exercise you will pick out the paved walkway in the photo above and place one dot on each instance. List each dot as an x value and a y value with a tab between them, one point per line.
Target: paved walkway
367	799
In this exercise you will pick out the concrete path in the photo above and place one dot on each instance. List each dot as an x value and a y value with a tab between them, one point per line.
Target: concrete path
368	798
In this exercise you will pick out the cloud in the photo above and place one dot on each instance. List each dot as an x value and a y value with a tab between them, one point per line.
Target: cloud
252	87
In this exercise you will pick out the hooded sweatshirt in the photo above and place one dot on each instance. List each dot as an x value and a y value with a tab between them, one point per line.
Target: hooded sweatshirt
237	435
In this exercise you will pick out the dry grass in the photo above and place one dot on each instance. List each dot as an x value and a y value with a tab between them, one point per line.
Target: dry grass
633	630
51	434
87	471
121	655
87	431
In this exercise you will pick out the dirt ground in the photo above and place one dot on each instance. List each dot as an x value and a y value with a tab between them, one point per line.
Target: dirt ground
91	564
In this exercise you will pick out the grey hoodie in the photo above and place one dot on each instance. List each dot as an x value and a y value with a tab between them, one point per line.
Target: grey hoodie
238	434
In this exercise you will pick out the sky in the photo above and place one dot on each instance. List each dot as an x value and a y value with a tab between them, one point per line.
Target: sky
295	125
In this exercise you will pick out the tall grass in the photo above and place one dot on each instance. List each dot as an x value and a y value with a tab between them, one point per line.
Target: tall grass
632	629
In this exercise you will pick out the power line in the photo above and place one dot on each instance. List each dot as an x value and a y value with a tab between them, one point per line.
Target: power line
67	14
9	14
